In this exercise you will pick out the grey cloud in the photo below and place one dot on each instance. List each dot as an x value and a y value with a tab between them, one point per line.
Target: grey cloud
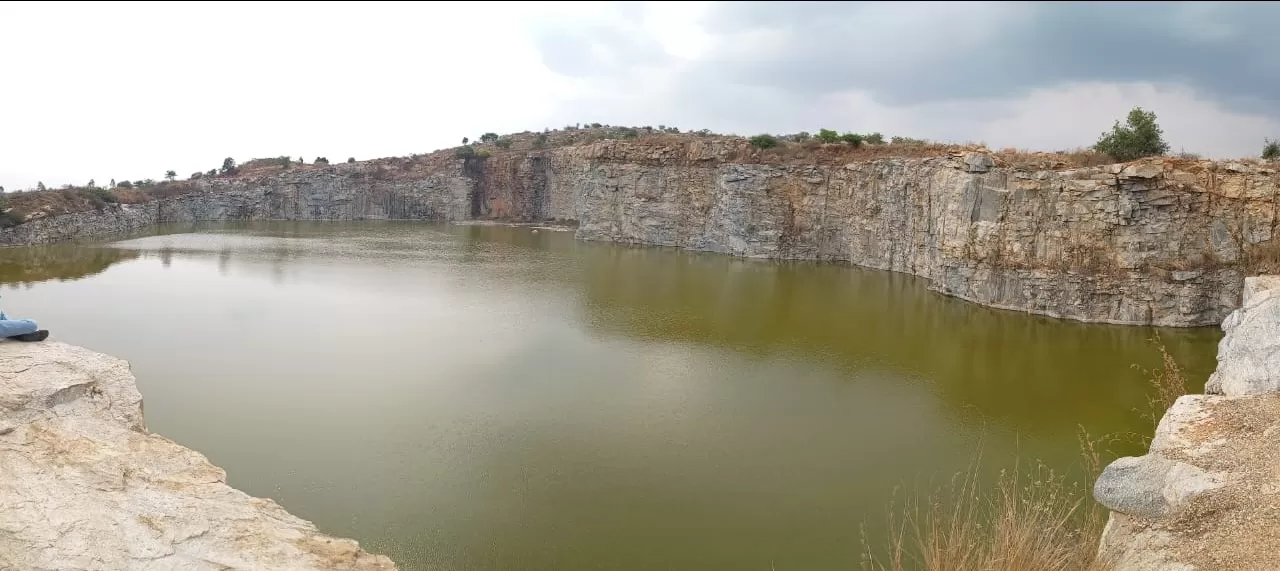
586	51
911	53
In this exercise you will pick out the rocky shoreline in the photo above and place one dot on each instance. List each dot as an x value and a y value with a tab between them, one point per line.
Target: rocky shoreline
85	486
1207	494
1159	241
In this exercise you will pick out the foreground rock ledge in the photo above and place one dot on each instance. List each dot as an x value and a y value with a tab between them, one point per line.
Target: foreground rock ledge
1206	496
83	485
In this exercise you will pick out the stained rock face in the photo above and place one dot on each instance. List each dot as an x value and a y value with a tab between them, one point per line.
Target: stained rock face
1207	494
1150	242
83	485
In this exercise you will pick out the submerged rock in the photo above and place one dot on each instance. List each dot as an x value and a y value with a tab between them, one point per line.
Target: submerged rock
83	485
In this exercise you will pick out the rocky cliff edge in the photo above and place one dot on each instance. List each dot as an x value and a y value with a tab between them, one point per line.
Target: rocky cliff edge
83	485
1206	496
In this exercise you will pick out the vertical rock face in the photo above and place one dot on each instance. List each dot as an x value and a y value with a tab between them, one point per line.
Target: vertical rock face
83	485
1207	494
1152	242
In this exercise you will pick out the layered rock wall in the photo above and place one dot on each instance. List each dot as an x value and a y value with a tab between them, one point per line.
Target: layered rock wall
85	486
1152	242
1207	495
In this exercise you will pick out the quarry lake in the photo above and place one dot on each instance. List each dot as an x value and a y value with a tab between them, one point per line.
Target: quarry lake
492	397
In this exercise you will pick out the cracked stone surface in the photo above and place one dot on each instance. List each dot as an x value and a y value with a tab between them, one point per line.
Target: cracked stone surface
84	486
1157	241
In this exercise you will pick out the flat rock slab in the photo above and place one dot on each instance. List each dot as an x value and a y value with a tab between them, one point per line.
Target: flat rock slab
83	485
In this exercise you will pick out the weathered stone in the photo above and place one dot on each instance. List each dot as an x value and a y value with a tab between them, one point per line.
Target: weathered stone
1247	362
978	162
1089	244
83	485
1151	486
1207	494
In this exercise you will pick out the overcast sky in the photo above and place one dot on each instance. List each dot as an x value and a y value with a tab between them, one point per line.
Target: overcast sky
123	90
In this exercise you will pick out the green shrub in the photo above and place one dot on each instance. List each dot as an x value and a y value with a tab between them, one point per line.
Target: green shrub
351	159
1139	137
540	141
125	184
763	141
852	139
503	143
322	160
801	137
873	139
828	136
464	152
488	137
1270	149
906	141
228	165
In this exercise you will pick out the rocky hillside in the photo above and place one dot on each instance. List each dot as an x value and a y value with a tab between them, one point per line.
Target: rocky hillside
1207	494
1158	241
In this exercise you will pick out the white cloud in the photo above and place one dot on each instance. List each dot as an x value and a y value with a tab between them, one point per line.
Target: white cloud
130	90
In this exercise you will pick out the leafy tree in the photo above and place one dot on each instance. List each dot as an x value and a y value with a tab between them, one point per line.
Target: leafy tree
40	185
873	139
113	183
464	152
1270	149
1	189
212	172
802	136
488	137
351	159
228	165
853	139
1139	137
465	140
125	184
322	160
763	141
169	174
150	182
503	143
139	184
91	184
828	136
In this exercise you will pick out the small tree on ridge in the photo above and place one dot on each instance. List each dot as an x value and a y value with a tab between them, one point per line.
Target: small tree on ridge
1139	137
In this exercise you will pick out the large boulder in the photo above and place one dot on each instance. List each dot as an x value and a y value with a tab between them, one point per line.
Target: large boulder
83	485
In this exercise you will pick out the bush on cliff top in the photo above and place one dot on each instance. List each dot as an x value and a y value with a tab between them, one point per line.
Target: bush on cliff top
1270	149
1139	137
764	141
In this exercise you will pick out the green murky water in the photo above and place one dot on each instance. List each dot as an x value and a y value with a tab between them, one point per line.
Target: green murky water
484	397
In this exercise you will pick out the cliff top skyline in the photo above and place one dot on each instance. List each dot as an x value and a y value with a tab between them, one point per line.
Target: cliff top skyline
128	90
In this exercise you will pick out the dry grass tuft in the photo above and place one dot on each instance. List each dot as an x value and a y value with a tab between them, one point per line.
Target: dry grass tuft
1167	384
1034	521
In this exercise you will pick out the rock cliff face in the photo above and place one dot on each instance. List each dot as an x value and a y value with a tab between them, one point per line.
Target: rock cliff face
1161	242
83	485
1207	494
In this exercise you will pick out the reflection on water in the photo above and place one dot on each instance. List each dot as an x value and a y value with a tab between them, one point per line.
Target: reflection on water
26	266
480	397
